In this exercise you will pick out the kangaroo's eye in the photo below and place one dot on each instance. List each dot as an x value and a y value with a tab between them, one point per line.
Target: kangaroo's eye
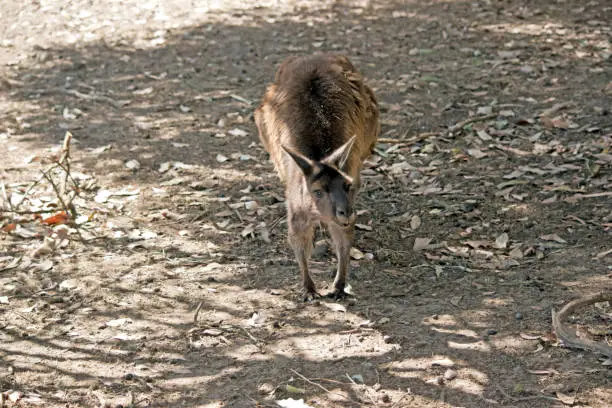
318	194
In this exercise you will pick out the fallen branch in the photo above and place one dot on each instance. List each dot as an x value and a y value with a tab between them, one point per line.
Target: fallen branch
466	122
569	339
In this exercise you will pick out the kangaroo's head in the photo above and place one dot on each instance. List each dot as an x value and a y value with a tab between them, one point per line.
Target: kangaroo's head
330	187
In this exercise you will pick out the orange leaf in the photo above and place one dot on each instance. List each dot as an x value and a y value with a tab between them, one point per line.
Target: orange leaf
9	227
59	218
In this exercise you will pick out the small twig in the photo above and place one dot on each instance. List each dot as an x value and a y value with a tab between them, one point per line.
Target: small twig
331	381
32	187
241	99
396	404
254	339
23	316
28	212
6	199
276	222
595	195
235	211
466	122
94	98
571	340
520	399
322	387
512	150
311	382
65	158
197	312
350	379
53	286
412	140
57	192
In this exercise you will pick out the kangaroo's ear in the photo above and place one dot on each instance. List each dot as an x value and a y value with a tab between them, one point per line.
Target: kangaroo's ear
307	165
339	157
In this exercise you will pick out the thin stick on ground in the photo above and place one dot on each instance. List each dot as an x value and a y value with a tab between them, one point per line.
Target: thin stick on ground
64	161
568	338
253	338
521	399
197	312
9	205
466	122
32	187
59	195
310	382
411	140
94	98
322	387
396	404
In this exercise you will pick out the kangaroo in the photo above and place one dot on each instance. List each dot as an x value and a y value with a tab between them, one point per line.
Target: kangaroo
319	122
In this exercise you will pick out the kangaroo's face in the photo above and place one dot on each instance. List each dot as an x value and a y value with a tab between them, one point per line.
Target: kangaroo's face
332	193
330	188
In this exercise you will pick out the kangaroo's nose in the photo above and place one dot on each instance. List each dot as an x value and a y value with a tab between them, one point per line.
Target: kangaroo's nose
342	216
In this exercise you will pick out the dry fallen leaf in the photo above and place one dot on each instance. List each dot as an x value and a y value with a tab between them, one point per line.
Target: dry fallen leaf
477	153
59	218
415	222
336	307
238	132
291	403
421	243
566	399
356	253
47	247
478	244
553	237
132	164
516	253
248	230
9	227
501	242
603	254
363	227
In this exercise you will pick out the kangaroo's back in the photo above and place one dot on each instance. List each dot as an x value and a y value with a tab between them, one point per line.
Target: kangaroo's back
315	105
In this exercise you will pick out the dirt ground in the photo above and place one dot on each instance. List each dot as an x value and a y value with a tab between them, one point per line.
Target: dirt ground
176	286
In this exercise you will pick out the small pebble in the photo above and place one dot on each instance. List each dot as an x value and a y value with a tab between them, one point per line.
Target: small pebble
491	332
518	316
358	378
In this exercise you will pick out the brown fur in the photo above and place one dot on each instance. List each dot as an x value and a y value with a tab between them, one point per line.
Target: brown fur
305	121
